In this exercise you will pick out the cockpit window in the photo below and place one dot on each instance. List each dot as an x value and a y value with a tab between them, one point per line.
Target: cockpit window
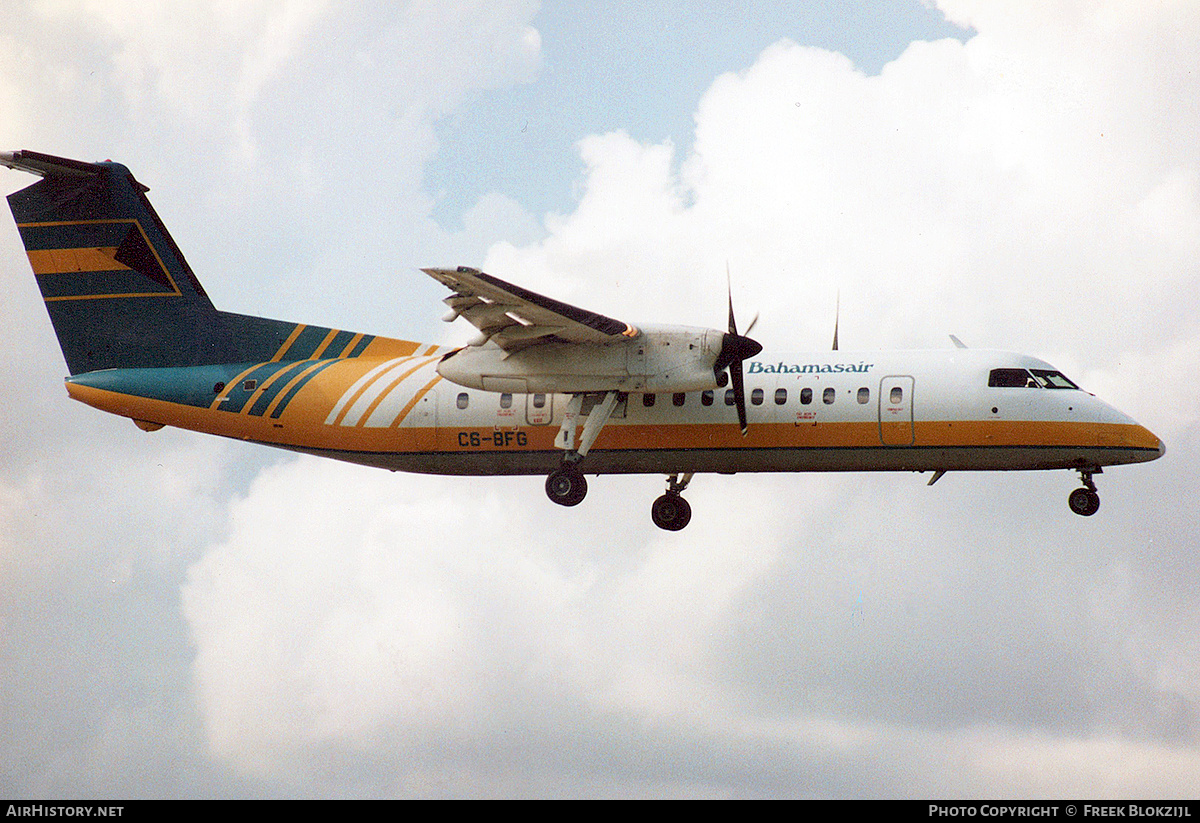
1052	379
1011	379
1029	379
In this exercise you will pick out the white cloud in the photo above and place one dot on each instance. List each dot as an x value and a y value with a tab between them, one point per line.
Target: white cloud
203	64
838	620
292	126
1005	189
348	611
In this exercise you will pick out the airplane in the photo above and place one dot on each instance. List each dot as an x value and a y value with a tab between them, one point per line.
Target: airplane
544	388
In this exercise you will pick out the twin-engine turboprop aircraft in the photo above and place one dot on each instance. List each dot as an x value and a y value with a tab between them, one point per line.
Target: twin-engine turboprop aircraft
544	388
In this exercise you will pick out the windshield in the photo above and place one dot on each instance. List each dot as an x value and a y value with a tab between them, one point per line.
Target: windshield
1029	379
1052	379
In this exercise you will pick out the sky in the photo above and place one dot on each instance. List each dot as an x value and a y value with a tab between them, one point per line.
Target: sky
185	616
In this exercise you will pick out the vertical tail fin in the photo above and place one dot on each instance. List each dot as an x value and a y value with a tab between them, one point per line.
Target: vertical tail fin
117	288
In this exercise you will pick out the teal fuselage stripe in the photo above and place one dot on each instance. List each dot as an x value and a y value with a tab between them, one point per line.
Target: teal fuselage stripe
189	386
281	378
305	344
362	345
340	341
287	398
238	396
197	385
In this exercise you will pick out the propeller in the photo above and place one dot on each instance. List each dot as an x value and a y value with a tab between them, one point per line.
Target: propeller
734	349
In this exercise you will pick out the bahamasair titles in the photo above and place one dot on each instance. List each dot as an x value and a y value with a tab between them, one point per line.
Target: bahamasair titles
544	388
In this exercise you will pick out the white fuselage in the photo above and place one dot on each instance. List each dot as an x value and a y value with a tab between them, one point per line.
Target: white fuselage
826	411
815	411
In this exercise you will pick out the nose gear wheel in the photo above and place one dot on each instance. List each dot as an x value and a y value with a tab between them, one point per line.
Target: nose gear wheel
671	511
1086	501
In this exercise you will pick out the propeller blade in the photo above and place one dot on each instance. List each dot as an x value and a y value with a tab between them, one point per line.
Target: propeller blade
734	349
739	394
753	322
729	288
837	313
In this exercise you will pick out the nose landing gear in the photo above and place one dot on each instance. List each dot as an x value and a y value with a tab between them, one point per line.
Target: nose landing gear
671	511
1086	501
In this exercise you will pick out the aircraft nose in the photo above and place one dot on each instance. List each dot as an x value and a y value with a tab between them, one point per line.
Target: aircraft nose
1151	445
1126	438
1150	441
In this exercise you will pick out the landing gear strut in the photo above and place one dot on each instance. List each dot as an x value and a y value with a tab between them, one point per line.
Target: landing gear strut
671	511
565	485
1085	502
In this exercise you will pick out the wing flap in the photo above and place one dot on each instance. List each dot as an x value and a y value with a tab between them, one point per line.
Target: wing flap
515	318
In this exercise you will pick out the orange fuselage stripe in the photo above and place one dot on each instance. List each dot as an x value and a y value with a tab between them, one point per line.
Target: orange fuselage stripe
297	429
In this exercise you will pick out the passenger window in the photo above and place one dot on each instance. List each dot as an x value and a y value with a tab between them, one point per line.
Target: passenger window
896	396
647	400
780	397
729	397
462	400
679	398
806	396
706	398
539	401
756	397
828	396
864	396
506	400
249	385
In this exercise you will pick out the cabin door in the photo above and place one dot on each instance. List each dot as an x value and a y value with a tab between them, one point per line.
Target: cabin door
896	410
539	409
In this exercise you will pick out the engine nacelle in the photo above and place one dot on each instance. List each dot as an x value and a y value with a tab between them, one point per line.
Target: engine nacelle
659	360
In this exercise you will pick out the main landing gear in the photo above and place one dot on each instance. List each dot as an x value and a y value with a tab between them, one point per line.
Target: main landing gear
566	486
1086	501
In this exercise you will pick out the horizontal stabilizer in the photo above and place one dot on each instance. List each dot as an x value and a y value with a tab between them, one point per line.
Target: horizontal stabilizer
47	165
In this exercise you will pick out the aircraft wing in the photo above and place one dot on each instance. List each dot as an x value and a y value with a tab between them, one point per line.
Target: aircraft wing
515	318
